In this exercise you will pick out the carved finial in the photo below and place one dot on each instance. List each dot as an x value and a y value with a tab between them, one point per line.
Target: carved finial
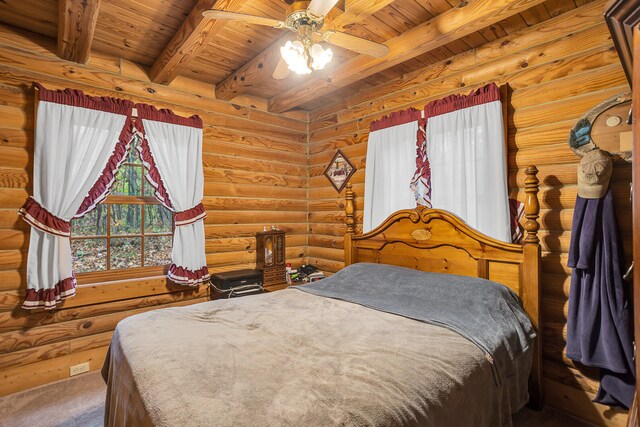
531	205
349	209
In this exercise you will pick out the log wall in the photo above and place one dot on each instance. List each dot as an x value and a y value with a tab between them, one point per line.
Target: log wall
557	70
255	175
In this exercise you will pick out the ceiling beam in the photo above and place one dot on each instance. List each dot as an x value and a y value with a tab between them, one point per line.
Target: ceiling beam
76	27
192	37
449	26
262	66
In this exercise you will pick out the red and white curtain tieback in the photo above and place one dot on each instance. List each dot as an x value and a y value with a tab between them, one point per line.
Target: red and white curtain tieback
190	216
36	215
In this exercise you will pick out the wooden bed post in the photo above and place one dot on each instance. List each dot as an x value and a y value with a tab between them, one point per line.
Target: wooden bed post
531	281
349	210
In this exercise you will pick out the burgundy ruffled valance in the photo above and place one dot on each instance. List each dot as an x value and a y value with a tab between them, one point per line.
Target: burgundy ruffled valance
102	186
183	276
149	112
36	215
77	98
485	94
153	176
395	119
190	216
49	298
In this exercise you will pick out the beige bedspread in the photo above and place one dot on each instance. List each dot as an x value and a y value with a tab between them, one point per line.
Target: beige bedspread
295	359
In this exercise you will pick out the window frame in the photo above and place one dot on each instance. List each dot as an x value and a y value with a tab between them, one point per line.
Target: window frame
132	272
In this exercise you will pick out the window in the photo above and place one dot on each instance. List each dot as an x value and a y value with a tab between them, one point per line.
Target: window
129	230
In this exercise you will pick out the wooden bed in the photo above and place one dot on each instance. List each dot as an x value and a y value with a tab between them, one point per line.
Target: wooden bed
311	356
437	241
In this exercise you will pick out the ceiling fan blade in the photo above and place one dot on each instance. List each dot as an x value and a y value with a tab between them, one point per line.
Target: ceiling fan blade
251	19
319	8
282	70
357	44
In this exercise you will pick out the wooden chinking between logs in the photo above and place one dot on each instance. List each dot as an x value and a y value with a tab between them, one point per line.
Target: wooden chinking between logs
266	168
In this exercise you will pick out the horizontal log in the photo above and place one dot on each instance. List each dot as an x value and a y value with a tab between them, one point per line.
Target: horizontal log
326	253
247	257
27	319
231	176
16	138
9	218
41	335
235	203
248	243
15	158
335	217
333	242
212	133
12	96
569	87
115	290
252	217
238	148
326	265
15	117
223	231
13	178
562	110
253	191
231	162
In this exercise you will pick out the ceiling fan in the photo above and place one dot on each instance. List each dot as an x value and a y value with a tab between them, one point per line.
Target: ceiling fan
305	18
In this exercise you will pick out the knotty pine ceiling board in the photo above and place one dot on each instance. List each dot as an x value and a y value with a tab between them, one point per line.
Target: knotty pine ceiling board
138	30
38	16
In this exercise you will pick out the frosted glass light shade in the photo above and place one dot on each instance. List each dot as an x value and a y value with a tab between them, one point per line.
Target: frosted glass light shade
321	57
295	56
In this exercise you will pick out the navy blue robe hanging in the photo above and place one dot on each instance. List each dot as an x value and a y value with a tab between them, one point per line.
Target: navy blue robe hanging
599	332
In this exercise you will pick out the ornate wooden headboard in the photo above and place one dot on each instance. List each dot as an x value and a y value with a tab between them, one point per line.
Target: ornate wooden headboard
438	241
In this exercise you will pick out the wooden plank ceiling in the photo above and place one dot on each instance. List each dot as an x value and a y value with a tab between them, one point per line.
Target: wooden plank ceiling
171	38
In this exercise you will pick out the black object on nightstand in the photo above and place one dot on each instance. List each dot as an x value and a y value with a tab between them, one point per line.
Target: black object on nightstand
237	283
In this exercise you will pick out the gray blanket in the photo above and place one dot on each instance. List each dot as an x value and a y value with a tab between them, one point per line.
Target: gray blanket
291	358
486	313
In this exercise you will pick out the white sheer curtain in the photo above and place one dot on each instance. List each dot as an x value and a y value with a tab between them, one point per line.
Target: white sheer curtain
466	153
391	160
174	163
80	142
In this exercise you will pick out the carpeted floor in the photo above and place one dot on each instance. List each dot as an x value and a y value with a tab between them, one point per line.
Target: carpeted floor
79	402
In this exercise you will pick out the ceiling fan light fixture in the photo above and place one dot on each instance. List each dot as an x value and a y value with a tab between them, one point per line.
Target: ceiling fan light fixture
302	60
295	55
321	57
